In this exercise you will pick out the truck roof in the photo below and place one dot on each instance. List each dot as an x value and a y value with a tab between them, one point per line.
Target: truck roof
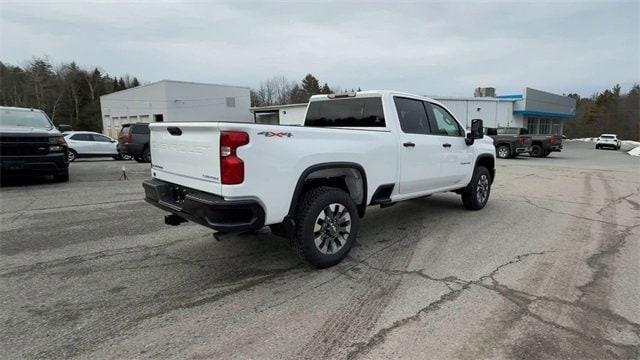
381	93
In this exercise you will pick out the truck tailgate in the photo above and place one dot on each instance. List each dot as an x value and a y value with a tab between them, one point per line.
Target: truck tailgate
187	154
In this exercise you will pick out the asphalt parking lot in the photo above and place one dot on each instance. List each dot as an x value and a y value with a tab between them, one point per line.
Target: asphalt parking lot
549	269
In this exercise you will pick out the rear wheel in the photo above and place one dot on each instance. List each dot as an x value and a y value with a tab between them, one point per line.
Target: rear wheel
476	194
536	151
71	155
146	155
503	151
326	226
546	153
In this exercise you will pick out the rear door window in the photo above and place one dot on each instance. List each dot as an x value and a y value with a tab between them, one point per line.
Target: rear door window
140	129
82	137
351	112
412	115
101	138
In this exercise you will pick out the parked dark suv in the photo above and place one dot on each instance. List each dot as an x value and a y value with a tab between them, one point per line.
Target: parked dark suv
31	145
134	141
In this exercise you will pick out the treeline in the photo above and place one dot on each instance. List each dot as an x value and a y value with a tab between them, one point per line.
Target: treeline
67	93
610	111
279	90
71	95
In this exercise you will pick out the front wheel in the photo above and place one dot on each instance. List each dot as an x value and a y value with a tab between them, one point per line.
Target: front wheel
326	226
476	194
62	177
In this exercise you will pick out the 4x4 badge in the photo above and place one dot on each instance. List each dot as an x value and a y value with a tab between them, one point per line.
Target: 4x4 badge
276	134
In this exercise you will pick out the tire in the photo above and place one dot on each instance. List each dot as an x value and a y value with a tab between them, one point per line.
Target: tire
126	157
62	177
503	152
597	147
320	244
546	153
536	151
476	194
139	158
146	155
72	155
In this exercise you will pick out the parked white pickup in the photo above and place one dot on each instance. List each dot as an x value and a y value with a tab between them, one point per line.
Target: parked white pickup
312	183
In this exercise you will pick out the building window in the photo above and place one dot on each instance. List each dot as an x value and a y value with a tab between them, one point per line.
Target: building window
231	102
158	118
532	125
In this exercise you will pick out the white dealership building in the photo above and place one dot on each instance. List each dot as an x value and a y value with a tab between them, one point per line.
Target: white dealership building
169	100
539	111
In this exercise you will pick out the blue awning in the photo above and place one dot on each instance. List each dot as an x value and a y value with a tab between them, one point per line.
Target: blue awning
514	96
542	113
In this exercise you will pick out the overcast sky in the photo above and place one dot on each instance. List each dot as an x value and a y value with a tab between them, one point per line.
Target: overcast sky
445	48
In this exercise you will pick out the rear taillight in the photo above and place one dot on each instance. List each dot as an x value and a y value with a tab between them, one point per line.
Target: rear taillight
552	140
127	138
520	140
231	166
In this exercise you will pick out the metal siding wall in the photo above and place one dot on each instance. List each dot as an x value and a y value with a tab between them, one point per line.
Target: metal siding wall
493	113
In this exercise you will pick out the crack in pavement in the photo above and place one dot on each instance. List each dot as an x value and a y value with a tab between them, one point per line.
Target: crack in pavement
570	214
521	299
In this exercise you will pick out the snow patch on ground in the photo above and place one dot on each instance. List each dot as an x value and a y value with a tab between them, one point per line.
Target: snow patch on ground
635	151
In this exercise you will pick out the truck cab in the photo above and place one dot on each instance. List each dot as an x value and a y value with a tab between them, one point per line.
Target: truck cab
30	145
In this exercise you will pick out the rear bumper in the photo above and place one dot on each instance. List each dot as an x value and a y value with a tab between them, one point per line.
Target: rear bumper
205	209
130	149
55	163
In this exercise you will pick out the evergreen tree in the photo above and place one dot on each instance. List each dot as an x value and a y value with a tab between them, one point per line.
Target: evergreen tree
135	82
325	89
121	84
310	85
298	95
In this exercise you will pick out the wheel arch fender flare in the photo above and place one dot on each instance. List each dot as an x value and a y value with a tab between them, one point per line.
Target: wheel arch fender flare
486	159
353	174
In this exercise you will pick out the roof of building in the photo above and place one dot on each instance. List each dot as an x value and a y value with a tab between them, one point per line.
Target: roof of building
472	98
121	92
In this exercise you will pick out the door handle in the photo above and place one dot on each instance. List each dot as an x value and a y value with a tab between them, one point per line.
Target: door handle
447	145
409	144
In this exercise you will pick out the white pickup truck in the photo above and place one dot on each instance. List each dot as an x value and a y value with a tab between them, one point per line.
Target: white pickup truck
312	183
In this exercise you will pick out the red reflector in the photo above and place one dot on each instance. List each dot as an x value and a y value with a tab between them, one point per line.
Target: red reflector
231	166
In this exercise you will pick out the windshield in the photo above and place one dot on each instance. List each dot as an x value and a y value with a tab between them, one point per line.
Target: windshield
26	118
353	112
607	137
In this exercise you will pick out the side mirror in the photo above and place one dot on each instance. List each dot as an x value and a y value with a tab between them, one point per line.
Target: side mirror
477	131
